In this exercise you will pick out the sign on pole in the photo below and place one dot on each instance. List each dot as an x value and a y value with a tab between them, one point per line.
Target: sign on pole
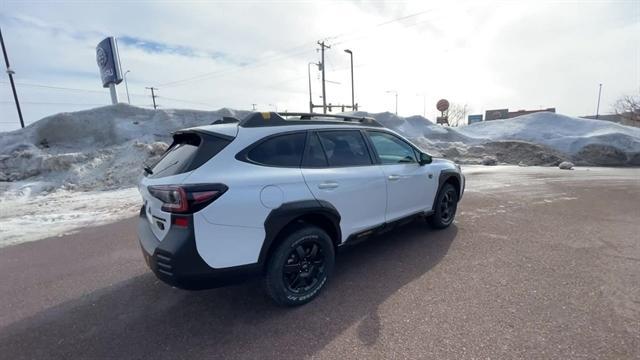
443	106
109	64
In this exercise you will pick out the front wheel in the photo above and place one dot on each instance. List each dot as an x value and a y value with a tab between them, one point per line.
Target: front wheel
300	266
445	207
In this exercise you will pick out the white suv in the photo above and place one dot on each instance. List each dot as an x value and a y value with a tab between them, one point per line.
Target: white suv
275	195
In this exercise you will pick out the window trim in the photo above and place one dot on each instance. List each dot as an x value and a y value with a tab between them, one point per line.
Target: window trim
364	139
377	156
243	155
307	146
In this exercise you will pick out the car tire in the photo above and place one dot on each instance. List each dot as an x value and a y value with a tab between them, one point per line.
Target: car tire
300	266
444	207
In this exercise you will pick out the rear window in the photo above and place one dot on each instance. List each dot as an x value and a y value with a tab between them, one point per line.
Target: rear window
283	150
188	152
345	148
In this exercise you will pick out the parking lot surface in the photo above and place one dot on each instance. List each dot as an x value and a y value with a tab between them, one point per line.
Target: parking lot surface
540	263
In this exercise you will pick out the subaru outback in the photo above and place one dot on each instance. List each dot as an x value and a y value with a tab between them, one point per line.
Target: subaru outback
275	195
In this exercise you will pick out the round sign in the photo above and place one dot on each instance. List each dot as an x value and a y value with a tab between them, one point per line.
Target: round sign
442	105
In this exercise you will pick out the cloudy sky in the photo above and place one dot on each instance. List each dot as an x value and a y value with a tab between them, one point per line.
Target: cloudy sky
208	55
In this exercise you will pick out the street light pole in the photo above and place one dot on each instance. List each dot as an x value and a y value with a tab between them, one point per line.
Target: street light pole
424	105
126	86
13	85
598	106
310	98
353	101
396	93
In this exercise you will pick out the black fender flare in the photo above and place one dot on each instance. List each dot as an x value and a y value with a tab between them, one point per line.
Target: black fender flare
282	216
445	175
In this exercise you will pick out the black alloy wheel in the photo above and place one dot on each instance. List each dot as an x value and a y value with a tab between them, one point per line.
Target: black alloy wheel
300	266
445	207
448	205
304	267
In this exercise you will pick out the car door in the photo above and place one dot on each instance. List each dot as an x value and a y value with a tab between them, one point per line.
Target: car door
410	186
339	169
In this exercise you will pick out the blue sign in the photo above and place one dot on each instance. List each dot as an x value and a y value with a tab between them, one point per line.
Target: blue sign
108	62
472	119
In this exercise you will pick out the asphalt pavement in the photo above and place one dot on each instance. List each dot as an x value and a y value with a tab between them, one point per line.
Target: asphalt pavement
540	263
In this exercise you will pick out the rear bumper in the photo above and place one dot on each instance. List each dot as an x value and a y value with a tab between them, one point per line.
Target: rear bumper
175	259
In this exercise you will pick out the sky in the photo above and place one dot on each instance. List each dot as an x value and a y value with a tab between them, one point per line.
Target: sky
245	54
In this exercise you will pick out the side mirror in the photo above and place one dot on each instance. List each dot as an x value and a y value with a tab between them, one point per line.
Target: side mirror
425	159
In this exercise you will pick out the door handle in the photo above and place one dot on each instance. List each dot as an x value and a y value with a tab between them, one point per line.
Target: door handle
393	177
328	185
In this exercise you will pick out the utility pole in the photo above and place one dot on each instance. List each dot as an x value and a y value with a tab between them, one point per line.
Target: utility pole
353	96
598	106
153	96
253	107
13	85
324	92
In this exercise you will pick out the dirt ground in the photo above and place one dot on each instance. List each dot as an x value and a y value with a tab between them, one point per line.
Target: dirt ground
540	263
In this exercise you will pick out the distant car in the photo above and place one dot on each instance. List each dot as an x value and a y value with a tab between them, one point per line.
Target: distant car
274	195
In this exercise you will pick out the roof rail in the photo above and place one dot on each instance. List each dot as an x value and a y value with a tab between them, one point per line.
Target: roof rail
226	120
278	119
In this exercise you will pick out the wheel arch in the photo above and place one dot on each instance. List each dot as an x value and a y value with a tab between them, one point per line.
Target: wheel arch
289	216
449	176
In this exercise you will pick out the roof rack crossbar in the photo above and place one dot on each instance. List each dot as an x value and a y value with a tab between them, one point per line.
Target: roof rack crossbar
276	119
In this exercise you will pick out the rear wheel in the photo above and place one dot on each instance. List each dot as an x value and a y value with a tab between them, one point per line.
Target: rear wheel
445	207
300	266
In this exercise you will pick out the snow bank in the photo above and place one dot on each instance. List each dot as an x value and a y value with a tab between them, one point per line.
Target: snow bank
562	133
38	216
78	169
99	149
536	139
105	148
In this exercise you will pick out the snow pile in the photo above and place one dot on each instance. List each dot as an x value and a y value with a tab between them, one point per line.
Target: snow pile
569	135
53	173
106	148
536	139
99	149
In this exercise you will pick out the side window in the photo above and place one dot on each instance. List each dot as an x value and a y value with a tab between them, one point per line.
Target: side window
314	155
345	148
391	149
284	150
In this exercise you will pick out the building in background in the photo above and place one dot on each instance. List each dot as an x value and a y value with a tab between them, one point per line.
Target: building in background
500	114
472	119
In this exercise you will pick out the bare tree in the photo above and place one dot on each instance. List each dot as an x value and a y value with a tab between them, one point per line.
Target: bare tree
458	114
628	107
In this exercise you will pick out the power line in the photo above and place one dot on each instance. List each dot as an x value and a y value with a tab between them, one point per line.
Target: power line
62	88
55	103
51	87
283	54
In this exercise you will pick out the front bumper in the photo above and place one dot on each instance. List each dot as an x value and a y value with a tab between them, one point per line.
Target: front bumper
175	259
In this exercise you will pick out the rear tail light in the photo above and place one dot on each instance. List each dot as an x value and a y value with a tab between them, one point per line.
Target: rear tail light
186	199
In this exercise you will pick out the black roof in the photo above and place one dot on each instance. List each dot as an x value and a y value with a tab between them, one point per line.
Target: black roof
260	119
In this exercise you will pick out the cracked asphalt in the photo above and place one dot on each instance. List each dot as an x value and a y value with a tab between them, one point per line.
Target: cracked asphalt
540	263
